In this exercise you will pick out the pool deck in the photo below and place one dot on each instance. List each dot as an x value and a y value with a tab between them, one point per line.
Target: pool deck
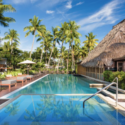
19	85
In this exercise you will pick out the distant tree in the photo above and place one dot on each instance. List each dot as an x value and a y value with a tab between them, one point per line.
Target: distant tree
90	43
45	42
5	8
55	40
73	38
12	36
35	26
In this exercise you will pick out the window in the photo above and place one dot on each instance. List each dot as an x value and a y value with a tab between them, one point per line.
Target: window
120	66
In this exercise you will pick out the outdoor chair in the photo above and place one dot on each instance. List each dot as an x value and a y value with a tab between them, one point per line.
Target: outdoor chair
31	77
21	79
19	74
8	83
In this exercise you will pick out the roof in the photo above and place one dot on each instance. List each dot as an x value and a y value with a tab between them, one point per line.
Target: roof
111	47
118	59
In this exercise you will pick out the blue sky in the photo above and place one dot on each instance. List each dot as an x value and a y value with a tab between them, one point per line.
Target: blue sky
97	16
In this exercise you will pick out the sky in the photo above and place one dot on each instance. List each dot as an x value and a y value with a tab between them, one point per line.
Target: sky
97	16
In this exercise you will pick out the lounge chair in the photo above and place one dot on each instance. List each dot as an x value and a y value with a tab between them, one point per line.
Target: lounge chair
20	74
31	77
8	83
21	79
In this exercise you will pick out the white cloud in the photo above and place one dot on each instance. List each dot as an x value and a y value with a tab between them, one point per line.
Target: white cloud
69	5
49	11
79	3
45	4
106	15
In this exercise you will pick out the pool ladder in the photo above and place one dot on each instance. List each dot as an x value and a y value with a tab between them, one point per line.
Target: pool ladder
113	82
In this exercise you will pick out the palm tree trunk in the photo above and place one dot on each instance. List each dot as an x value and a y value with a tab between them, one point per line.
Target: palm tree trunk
74	61
46	56
11	47
41	56
58	66
72	55
50	56
61	50
32	45
68	59
67	65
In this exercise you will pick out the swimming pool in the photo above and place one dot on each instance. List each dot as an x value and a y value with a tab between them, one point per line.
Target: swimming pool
58	84
59	110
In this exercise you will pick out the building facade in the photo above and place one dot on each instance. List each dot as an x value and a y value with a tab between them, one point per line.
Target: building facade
108	55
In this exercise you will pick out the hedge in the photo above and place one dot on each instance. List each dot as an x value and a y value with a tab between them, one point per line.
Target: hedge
109	77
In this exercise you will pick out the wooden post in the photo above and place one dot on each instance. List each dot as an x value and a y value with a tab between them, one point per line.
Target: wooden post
99	72
95	72
77	67
117	66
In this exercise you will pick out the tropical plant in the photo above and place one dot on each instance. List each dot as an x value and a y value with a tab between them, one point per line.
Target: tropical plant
55	55
12	36
45	43
43	37
90	43
5	8
35	26
73	38
55	40
63	33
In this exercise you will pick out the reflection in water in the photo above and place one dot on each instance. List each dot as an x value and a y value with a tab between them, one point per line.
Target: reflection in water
6	123
59	84
13	108
36	110
58	109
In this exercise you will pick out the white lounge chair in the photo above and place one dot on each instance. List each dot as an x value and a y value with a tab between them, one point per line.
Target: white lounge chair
8	83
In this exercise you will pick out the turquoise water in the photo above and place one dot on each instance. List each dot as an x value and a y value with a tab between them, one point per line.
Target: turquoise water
59	84
59	110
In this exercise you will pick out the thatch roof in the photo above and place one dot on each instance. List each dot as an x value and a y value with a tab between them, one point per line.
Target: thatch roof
111	47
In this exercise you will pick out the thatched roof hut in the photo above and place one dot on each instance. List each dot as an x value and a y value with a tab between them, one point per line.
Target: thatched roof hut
109	49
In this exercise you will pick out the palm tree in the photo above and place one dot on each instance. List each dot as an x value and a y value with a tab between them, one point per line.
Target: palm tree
55	55
43	35
45	43
55	40
83	52
12	36
64	31
35	26
90	43
5	8
63	34
73	37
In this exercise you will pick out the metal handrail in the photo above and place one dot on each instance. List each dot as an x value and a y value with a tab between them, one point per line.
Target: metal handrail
104	89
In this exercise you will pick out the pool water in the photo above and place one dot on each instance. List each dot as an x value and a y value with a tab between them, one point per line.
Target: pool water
59	110
59	84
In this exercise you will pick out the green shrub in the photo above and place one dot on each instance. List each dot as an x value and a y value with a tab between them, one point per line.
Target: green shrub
109	77
2	76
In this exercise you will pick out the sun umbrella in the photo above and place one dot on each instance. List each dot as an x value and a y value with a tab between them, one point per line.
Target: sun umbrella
27	62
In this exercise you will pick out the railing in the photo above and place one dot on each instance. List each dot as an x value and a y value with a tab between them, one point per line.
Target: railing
104	89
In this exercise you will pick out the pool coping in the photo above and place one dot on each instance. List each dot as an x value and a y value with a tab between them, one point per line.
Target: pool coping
13	99
5	96
104	82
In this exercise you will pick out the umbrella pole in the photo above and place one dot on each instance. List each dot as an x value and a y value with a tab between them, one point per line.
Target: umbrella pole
27	69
